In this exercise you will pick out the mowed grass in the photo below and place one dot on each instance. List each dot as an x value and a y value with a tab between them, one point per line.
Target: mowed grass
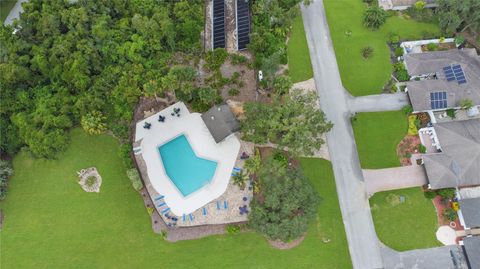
50	222
408	225
360	76
299	65
5	7
377	135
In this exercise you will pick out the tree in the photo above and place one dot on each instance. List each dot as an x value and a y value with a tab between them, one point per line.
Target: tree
253	164
240	178
367	52
293	123
94	123
374	17
180	81
459	15
284	210
282	84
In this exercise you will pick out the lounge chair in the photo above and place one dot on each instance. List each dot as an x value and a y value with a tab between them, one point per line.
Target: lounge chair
191	217
218	205
166	210
184	218
204	211
159	197
225	204
162	204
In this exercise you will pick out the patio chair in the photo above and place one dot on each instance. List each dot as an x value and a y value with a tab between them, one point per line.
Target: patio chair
162	204
204	211
191	217
165	210
159	197
218	205
184	218
225	204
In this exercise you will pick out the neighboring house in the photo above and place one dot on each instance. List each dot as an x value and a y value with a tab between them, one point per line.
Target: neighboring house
221	122
458	163
471	247
469	213
403	4
445	78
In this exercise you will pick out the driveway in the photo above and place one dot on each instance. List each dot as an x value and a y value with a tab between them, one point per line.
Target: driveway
378	102
14	13
362	240
377	180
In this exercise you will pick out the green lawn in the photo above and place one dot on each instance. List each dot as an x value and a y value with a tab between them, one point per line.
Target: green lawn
5	7
299	64
51	223
408	225
359	76
377	135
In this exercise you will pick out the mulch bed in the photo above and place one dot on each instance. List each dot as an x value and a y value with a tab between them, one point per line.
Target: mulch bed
407	147
289	245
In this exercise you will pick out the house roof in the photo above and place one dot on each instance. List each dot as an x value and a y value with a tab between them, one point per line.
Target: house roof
471	212
471	245
221	122
433	62
459	163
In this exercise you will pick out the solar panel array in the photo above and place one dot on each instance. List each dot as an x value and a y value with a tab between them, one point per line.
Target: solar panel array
438	100
243	24
455	72
218	24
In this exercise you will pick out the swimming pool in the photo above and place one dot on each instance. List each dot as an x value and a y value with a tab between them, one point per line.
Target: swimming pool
184	168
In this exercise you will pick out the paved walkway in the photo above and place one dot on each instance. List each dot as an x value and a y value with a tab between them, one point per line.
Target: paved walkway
15	12
377	180
362	240
379	102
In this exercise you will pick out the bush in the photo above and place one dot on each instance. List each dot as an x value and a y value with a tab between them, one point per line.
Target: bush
233	92
429	194
367	52
446	193
280	158
451	113
237	59
398	51
449	214
134	177
422	148
374	17
124	152
6	171
393	38
412	125
408	109
214	59
233	229
402	75
432	46
90	181
398	66
94	123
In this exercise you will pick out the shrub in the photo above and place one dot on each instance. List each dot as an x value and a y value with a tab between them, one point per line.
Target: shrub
408	109
466	104
233	229
432	46
398	51
280	158
150	210
6	171
214	59
374	17
233	92
240	178
420	5
393	38
237	59
402	75
134	177
367	52
450	214
448	193
412	125
124	152
459	40
90	181
422	148
398	66
94	123
429	194
451	113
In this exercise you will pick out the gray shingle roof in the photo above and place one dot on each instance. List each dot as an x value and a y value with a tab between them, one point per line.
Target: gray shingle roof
472	249
221	122
459	163
432	63
471	212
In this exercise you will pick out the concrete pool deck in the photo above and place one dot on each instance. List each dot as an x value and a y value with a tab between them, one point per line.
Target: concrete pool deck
191	125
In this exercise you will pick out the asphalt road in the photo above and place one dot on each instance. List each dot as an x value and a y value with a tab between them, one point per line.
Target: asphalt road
362	239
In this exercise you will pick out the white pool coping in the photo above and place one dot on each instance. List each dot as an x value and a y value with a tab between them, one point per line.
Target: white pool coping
192	126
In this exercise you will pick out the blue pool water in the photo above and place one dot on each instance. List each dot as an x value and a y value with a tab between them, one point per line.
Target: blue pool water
187	171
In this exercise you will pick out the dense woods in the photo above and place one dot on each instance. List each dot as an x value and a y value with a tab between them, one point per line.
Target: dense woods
74	61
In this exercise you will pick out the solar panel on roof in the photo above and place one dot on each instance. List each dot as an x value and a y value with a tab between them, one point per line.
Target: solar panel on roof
455	72
218	24
243	24
438	100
